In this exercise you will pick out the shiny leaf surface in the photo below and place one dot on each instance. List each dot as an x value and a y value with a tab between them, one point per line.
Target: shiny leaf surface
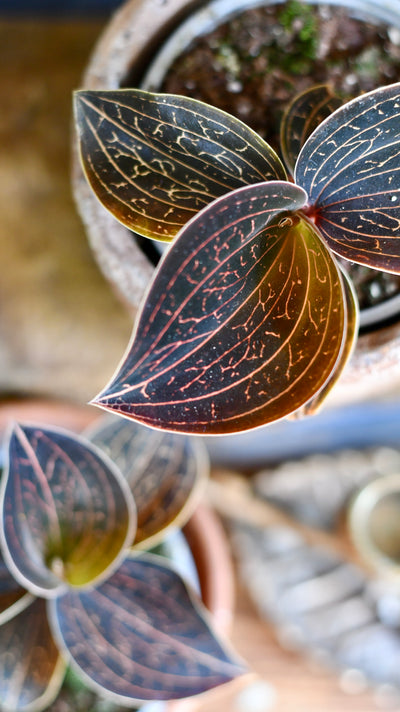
304	114
141	635
31	669
154	160
13	598
243	323
165	472
67	512
348	346
350	168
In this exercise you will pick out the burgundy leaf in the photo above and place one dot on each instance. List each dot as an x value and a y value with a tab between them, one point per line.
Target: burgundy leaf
243	323
155	160
31	669
348	346
350	168
68	513
141	635
165	472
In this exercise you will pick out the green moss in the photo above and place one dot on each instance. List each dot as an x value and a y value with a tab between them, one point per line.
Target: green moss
299	19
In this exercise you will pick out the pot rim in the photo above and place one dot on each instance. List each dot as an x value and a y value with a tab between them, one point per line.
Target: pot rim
359	521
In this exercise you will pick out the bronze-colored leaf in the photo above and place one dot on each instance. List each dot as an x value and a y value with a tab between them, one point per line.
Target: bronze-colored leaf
154	160
13	598
350	168
142	635
67	513
348	346
165	472
243	323
31	668
303	115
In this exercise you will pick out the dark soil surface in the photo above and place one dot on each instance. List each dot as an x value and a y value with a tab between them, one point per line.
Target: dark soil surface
253	65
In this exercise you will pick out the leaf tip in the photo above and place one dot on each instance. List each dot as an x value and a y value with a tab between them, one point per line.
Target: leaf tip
80	99
103	401
14	429
97	400
77	97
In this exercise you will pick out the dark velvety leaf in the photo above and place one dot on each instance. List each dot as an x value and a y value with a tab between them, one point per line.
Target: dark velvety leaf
302	117
141	635
155	160
165	472
349	343
13	598
67	512
350	168
31	669
243	323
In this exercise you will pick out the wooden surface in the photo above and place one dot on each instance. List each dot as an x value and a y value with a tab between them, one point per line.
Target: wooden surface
62	330
292	683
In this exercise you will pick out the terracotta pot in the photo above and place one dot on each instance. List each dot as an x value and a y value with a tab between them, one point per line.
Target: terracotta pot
125	49
133	35
44	411
203	532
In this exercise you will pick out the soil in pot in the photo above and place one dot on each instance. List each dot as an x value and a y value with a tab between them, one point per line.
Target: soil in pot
255	63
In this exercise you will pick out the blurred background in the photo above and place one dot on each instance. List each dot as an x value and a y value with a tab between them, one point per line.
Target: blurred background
61	329
48	9
62	333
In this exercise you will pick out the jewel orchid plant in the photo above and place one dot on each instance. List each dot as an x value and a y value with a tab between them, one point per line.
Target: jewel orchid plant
78	586
250	317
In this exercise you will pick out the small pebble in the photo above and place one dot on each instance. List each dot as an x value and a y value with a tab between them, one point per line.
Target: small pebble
258	696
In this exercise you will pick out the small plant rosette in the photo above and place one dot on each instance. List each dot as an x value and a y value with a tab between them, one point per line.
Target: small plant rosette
76	591
250	318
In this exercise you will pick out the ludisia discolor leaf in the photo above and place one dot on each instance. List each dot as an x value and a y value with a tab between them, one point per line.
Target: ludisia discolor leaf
243	323
13	598
67	512
141	635
348	346
350	169
303	115
31	668
154	160
165	472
